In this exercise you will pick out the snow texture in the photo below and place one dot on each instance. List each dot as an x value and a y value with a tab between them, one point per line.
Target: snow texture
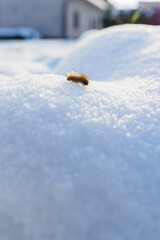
116	53
82	162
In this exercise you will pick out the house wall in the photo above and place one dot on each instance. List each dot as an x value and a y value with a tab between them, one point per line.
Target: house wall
44	15
52	18
89	18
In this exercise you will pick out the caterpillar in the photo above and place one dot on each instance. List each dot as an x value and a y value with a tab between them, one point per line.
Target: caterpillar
78	78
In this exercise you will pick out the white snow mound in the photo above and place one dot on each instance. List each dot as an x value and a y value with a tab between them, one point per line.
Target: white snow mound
115	53
79	162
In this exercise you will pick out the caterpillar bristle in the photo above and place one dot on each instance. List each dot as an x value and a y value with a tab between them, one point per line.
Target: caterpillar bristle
78	78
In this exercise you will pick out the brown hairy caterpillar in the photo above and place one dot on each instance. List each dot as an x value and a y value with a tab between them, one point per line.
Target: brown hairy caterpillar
78	78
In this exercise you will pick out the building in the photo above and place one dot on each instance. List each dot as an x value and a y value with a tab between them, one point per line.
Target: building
145	5
53	18
151	10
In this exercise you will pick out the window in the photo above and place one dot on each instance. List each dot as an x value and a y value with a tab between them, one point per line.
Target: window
92	24
76	19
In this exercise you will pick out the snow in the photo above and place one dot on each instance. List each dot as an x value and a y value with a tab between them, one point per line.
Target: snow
82	162
32	56
104	56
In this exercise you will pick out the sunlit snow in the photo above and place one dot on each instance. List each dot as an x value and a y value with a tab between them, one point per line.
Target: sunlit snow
82	162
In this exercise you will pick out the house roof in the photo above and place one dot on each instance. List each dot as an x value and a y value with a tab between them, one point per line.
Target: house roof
101	4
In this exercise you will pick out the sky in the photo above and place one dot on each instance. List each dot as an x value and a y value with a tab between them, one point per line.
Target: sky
128	3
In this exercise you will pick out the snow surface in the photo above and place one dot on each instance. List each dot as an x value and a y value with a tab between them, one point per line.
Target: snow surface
32	56
116	53
82	162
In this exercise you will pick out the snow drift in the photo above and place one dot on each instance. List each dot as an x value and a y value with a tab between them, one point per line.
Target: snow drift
32	56
116	53
82	162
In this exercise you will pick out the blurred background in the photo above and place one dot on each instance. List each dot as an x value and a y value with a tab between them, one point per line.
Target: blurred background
133	11
26	19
